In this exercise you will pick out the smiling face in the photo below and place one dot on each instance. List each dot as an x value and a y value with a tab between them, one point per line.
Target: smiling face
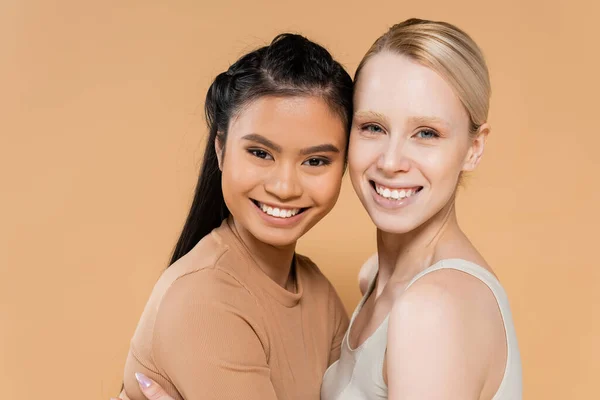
409	142
282	166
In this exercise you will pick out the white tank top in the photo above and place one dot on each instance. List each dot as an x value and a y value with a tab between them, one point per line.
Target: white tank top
358	374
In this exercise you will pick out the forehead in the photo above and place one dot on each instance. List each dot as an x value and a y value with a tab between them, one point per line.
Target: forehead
396	86
294	120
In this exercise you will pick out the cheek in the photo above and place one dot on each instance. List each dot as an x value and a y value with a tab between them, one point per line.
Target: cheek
239	167
230	186
441	167
353	152
239	175
324	189
362	154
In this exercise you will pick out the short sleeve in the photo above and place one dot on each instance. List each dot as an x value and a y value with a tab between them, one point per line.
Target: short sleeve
208	342
341	325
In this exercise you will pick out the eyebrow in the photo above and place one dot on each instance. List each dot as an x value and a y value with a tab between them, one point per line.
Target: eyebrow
322	148
370	114
255	137
420	120
429	120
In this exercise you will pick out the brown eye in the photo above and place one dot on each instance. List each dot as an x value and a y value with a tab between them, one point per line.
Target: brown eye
316	162
258	153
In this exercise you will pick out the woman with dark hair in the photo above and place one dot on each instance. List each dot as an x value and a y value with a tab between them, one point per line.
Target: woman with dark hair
434	321
238	314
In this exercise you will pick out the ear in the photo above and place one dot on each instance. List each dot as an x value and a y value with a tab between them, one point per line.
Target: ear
476	149
219	148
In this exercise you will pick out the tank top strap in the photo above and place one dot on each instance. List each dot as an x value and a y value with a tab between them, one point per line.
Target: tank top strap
467	267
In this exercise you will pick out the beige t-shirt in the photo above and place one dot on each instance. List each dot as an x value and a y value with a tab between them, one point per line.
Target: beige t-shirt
217	327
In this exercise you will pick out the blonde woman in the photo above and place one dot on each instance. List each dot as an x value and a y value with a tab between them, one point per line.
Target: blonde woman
434	322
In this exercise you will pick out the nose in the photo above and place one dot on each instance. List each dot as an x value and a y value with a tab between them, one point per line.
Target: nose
284	183
393	157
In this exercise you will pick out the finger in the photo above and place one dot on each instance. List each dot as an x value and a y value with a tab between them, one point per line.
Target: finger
151	389
122	396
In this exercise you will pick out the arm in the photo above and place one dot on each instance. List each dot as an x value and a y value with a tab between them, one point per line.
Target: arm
341	326
207	342
436	345
367	273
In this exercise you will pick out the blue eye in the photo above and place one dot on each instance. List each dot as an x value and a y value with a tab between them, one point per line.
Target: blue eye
316	162
371	128
428	134
258	153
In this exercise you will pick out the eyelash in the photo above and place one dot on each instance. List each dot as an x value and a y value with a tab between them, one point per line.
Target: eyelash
322	162
264	155
256	152
435	135
369	129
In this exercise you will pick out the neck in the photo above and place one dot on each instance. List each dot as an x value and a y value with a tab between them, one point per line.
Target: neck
402	256
275	262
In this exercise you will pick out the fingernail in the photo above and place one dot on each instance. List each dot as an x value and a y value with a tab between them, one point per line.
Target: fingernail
143	380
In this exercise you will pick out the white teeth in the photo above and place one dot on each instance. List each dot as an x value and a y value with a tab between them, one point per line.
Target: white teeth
394	193
279	212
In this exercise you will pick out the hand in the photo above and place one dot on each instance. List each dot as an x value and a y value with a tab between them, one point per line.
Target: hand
151	389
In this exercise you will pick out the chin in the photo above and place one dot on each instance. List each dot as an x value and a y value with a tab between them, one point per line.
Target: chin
277	238
389	224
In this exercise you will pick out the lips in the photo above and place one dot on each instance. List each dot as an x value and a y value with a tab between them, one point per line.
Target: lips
399	192
278	211
395	193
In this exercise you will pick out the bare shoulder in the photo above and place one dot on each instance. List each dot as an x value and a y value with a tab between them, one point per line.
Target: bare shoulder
455	330
450	297
367	272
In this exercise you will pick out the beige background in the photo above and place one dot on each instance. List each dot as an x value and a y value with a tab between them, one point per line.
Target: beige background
101	134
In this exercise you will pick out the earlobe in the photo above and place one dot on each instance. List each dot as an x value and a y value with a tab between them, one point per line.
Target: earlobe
219	149
477	146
